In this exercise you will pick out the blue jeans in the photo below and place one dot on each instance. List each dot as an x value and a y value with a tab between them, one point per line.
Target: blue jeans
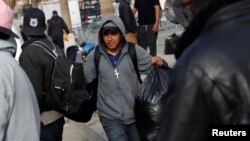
116	130
52	131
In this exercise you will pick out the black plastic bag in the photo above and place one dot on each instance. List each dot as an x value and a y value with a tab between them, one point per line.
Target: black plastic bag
147	106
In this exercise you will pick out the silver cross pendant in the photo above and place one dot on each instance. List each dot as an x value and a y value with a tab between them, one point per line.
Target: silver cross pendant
116	73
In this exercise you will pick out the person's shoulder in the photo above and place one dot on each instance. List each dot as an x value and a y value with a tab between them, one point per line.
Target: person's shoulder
36	44
60	18
91	54
31	50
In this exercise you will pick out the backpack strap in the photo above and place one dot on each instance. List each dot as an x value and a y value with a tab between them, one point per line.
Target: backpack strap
133	56
97	57
54	53
131	52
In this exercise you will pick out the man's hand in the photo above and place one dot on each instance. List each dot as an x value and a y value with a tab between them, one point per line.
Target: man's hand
156	60
155	28
66	37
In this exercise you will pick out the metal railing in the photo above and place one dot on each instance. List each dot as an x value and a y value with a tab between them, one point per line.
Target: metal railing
89	32
170	27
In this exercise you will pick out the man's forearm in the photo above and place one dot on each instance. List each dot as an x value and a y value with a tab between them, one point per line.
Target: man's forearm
157	14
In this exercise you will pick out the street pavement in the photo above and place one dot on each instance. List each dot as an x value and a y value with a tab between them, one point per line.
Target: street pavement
93	131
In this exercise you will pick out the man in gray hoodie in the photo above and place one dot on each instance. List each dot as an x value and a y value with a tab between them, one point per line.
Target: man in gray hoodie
19	113
118	83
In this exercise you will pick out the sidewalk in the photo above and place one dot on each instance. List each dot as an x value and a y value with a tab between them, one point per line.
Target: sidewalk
90	131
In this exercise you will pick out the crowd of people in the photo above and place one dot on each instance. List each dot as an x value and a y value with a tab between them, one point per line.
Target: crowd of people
209	84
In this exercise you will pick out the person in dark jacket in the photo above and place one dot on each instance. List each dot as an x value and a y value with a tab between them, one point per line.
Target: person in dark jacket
211	80
39	65
56	28
128	19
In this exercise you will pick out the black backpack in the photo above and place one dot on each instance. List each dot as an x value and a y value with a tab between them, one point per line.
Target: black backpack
68	90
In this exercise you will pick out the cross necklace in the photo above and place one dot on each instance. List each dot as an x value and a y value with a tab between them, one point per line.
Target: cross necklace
116	73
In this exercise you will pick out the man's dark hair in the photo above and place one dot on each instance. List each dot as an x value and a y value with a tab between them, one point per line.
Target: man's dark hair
54	12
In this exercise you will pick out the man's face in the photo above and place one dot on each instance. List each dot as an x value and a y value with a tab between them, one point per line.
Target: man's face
112	40
194	5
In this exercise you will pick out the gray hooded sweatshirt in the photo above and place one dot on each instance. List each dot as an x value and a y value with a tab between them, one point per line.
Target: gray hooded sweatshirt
19	113
115	98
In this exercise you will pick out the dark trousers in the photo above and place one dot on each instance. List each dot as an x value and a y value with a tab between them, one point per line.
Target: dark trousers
52	131
58	40
146	38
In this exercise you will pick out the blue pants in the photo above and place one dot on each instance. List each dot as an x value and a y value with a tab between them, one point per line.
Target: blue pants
52	131
146	38
116	130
